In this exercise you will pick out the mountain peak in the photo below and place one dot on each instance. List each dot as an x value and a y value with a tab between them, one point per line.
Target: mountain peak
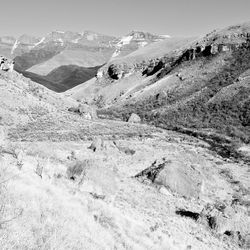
145	35
134	40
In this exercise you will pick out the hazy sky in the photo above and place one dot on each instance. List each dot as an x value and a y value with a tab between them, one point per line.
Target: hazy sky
118	17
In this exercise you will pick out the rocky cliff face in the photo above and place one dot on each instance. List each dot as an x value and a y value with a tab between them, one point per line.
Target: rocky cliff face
216	42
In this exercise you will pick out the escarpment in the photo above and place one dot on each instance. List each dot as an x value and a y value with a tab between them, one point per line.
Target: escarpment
210	45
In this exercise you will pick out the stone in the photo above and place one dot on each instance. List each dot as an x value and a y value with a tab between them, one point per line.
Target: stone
6	65
88	112
164	191
176	177
181	179
134	118
97	144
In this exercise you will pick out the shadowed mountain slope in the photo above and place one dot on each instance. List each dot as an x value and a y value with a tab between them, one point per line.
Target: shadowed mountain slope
63	77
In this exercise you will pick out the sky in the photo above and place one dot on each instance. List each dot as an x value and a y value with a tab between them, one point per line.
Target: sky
119	17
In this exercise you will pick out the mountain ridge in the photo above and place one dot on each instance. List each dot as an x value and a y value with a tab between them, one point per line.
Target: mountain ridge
87	49
174	88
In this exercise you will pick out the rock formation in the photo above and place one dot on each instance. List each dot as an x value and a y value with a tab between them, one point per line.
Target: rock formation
176	177
97	144
134	118
85	110
6	65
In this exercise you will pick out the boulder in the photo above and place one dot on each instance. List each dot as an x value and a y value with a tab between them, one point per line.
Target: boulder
6	65
176	177
181	179
97	144
134	118
88	112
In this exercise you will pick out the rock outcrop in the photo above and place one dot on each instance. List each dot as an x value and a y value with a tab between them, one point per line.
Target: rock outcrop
6	64
134	118
210	45
176	177
85	110
97	144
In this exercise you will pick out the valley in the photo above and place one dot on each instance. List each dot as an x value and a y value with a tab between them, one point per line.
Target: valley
137	142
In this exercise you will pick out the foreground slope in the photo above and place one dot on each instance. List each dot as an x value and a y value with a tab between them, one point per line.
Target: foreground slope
61	191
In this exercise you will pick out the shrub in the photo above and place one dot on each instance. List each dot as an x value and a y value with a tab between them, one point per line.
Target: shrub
77	169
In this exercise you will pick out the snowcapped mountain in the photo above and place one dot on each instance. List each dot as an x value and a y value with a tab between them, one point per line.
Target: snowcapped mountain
135	40
88	50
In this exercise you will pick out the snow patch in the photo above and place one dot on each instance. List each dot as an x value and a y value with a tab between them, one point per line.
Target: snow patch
14	46
41	41
91	37
76	40
116	53
61	32
60	40
125	40
165	36
100	74
142	44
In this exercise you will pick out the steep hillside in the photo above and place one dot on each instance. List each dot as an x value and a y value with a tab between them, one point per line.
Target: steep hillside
86	57
63	77
204	86
106	88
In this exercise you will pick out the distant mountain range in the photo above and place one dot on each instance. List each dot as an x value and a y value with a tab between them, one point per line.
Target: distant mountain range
39	58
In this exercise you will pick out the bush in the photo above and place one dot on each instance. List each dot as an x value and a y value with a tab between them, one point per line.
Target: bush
77	169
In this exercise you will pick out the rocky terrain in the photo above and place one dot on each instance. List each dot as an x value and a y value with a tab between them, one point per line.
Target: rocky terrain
151	153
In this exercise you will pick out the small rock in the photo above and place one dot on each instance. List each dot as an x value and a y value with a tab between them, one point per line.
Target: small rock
134	118
164	191
97	144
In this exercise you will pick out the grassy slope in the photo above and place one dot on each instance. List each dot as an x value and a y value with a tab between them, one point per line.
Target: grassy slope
41	208
194	109
94	88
